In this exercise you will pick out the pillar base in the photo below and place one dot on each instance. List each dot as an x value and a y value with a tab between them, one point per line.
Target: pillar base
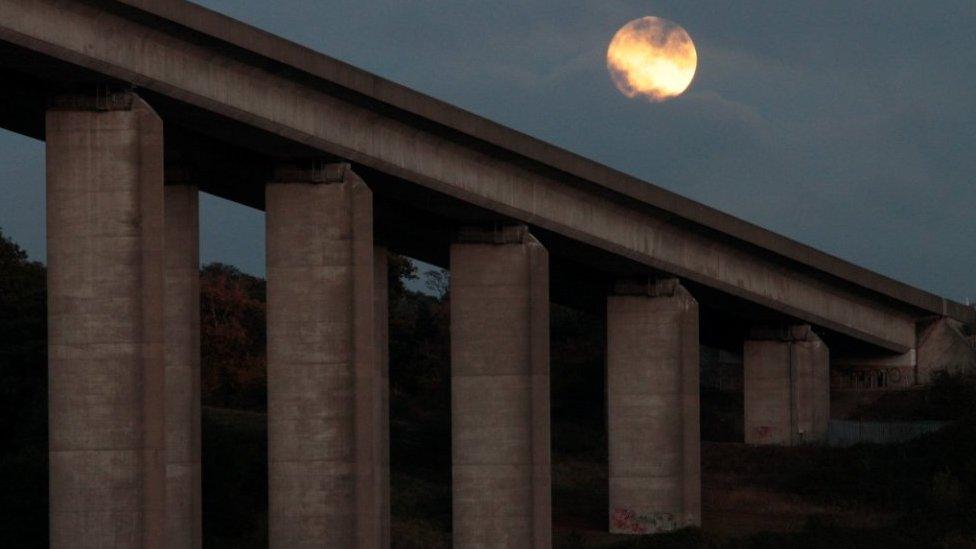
652	407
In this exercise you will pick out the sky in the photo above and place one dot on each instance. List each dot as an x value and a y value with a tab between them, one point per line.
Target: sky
848	126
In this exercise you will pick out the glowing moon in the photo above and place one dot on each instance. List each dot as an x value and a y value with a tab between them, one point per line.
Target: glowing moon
652	58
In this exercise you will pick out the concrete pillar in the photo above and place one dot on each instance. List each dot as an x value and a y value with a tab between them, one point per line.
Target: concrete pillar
786	386
500	389
381	397
182	336
652	408
105	322
322	367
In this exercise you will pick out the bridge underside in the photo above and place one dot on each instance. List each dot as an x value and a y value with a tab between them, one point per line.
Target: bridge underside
233	160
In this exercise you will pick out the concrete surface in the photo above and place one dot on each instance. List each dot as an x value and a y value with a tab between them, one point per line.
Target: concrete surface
786	386
859	379
870	371
500	389
652	408
381	396
182	359
446	151
942	347
322	367
105	322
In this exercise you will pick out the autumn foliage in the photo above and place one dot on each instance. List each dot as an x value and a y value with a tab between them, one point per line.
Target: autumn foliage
233	338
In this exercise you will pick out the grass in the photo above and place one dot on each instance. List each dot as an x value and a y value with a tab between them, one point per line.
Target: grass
235	485
924	491
920	493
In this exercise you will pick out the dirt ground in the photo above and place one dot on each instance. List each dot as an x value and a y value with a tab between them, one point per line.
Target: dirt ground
737	501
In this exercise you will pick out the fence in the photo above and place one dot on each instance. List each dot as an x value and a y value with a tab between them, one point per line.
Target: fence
849	433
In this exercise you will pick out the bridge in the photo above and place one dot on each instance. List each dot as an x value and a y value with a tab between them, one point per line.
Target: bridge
144	103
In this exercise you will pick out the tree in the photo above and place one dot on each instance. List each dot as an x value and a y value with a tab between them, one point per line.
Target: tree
23	344
233	338
23	402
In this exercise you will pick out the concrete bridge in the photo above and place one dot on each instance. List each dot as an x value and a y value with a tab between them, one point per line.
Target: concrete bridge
144	102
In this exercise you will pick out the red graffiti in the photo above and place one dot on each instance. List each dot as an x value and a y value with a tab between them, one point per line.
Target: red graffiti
622	517
625	519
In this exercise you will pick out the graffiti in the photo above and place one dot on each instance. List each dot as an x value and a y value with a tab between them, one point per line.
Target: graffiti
878	378
894	376
630	521
763	432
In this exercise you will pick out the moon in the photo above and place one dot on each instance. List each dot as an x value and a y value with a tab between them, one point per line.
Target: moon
652	58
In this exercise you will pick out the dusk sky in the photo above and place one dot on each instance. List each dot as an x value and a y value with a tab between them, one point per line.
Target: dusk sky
847	126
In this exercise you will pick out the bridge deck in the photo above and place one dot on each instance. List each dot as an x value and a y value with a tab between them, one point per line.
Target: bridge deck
229	89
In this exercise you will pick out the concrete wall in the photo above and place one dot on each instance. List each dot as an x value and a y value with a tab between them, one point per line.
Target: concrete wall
182	336
652	409
873	371
105	322
205	77
500	390
943	348
786	389
322	367
859	379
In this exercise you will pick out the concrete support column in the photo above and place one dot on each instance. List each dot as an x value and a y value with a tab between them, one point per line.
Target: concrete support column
182	336
500	389
381	397
105	322
322	366
786	386
652	408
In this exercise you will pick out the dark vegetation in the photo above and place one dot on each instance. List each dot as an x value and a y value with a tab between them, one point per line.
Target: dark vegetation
928	485
722	415
946	398
233	339
925	488
23	396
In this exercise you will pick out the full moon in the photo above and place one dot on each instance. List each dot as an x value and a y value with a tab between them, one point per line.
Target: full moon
652	58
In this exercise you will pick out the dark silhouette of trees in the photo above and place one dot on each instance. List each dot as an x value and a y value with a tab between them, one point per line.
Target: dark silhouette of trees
23	396
233	338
